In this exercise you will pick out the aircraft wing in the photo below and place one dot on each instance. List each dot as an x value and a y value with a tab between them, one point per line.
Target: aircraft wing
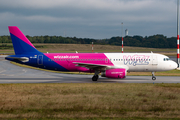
91	66
97	66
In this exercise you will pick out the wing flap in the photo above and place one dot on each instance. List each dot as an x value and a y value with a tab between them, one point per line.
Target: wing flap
91	66
101	67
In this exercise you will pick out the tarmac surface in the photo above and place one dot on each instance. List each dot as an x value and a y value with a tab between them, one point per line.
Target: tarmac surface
10	73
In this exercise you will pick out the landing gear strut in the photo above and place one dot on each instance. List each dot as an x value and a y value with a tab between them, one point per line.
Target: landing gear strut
96	76
153	76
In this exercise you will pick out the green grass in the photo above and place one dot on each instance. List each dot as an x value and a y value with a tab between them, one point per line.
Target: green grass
83	48
90	101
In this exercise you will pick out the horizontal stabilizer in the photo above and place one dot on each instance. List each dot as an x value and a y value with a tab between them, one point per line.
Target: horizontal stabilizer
22	59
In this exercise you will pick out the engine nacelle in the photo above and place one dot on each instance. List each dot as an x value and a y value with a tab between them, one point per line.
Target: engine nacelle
114	73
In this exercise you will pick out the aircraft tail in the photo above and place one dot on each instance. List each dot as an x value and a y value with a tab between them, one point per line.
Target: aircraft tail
20	42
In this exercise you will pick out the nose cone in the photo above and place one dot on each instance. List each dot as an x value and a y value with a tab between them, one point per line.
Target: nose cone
174	65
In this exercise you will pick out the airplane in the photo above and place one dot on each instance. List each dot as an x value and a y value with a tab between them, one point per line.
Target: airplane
110	65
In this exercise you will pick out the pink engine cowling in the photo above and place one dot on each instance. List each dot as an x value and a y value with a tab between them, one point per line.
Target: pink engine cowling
114	73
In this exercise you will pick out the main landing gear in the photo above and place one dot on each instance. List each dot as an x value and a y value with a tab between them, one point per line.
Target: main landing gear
96	76
153	76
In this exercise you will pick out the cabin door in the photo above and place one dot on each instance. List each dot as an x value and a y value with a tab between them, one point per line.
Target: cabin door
154	60
40	59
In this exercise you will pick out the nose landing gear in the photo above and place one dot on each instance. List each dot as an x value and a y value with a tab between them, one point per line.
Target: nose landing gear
153	76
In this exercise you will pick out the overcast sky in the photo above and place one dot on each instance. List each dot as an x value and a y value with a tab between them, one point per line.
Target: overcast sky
97	19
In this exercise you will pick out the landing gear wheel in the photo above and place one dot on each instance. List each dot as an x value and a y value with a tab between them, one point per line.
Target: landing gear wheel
95	78
153	78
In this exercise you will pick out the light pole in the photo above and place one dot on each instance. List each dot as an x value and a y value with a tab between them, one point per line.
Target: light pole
122	36
92	47
178	33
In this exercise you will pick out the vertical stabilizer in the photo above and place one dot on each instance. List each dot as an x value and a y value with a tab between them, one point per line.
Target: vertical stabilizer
20	42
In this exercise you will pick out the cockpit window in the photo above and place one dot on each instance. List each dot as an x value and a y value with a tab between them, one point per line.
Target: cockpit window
167	59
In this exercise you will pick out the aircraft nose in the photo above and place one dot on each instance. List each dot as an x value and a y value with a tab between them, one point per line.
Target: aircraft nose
174	65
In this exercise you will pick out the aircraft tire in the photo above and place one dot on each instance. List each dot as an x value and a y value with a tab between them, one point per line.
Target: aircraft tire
153	78
95	78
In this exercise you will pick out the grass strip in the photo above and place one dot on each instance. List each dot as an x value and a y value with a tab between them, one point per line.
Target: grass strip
83	48
93	101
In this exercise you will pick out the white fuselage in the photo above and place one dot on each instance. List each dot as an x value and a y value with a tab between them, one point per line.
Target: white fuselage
142	62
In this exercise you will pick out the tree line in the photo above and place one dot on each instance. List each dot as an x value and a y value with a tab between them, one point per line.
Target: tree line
155	41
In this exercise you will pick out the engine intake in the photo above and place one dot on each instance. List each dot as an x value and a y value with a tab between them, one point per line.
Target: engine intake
114	73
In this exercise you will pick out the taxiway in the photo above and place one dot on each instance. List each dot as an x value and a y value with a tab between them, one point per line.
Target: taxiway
10	73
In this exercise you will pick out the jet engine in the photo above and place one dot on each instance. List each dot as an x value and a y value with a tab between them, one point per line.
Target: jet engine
114	73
